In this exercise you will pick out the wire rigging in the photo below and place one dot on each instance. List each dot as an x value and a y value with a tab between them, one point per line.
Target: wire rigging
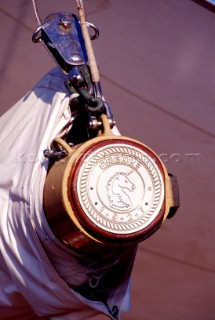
37	12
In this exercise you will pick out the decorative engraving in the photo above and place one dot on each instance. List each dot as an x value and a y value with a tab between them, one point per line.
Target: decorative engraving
120	188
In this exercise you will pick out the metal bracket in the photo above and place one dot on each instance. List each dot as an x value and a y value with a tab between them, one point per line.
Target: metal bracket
61	34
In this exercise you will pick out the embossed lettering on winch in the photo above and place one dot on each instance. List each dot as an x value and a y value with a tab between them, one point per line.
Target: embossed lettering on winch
120	188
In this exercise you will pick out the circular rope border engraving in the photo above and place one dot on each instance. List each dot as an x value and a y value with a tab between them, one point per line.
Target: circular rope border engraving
127	211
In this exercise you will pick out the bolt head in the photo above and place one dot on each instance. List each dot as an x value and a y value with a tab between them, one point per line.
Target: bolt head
65	22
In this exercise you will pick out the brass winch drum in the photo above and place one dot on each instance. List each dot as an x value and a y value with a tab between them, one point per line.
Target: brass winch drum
108	190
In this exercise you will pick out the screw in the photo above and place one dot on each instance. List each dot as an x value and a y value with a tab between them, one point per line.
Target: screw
65	22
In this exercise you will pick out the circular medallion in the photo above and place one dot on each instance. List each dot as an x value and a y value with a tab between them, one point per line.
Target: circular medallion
120	188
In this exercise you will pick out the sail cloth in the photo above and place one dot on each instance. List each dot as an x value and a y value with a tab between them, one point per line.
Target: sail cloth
40	277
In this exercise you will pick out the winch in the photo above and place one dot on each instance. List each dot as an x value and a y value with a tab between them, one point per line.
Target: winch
101	189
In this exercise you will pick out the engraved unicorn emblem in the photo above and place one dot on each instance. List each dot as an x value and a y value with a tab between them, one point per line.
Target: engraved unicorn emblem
118	189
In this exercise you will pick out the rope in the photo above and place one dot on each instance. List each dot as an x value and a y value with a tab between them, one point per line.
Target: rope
90	53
